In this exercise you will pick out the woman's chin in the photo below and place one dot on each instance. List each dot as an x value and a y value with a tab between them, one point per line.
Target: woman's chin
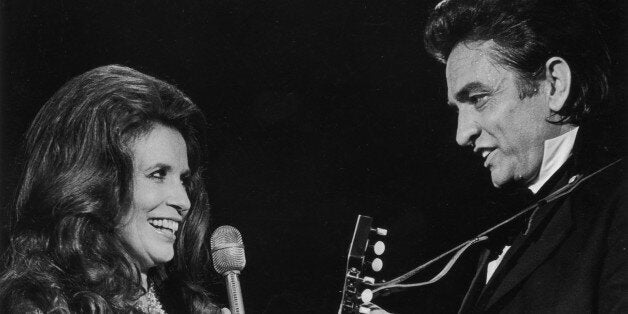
156	258
163	257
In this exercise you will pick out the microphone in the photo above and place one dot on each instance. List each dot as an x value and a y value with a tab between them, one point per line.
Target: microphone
228	257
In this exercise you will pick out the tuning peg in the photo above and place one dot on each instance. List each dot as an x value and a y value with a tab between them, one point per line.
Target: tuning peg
364	310
378	248
376	264
380	231
368	280
366	296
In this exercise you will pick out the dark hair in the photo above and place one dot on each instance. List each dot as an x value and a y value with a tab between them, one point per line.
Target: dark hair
65	252
527	33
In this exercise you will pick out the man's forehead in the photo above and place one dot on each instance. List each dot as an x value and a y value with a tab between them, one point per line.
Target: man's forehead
471	63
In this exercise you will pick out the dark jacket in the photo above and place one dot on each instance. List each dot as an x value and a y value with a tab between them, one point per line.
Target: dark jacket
574	256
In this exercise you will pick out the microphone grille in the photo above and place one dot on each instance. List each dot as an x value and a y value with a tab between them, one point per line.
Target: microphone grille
227	250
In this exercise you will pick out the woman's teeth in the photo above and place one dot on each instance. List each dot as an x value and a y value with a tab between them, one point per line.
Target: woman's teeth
171	225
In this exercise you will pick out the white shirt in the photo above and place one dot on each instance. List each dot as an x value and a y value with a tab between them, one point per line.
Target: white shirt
555	152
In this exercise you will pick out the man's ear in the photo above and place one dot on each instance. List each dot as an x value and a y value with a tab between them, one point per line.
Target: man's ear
558	75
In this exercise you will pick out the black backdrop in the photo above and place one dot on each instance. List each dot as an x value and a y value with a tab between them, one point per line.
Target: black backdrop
318	110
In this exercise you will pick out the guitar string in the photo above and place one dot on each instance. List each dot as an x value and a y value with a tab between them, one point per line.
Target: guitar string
442	273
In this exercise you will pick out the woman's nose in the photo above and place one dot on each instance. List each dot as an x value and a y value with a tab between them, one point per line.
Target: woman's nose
179	198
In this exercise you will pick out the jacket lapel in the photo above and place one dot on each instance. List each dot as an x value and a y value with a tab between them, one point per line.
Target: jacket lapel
476	284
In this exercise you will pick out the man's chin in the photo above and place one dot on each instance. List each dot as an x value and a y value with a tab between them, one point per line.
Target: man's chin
500	180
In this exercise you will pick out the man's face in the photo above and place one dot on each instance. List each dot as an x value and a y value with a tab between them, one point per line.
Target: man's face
507	131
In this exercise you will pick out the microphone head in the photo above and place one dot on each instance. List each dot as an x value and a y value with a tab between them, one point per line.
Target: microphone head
227	250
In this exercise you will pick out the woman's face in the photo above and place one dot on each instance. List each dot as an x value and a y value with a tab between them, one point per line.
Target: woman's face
160	200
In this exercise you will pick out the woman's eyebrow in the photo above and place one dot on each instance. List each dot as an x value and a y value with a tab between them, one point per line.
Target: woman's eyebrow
159	165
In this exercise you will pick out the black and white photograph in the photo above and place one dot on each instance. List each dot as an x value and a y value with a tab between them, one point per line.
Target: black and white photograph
455	156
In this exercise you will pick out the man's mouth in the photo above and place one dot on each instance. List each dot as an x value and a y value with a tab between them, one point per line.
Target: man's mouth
164	226
487	155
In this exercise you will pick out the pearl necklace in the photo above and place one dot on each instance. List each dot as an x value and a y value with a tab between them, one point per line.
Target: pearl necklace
148	303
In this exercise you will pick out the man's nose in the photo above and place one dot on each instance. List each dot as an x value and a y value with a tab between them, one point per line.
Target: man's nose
178	198
468	130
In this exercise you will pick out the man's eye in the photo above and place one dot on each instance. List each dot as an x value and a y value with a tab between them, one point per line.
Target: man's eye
478	100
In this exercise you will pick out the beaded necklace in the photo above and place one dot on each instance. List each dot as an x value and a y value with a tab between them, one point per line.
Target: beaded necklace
148	303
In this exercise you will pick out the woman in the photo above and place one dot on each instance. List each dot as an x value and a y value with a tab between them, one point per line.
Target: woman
112	214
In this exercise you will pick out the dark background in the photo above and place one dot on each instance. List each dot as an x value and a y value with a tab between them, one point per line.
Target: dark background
319	111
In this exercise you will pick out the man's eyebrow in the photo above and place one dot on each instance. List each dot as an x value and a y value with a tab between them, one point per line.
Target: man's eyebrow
463	94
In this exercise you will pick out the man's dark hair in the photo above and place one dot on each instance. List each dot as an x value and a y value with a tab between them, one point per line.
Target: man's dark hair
526	34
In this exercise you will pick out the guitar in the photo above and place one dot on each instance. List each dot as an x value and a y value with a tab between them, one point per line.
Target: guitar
356	292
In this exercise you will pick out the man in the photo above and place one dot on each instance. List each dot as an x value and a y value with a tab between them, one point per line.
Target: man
527	78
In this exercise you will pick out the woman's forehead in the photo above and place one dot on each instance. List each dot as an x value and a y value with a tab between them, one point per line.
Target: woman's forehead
162	145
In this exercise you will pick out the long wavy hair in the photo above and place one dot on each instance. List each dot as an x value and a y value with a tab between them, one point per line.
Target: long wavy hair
65	253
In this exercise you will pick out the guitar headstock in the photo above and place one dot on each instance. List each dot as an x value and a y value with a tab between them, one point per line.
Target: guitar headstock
361	253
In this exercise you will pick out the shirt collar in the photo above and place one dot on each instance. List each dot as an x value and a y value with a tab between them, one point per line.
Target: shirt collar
555	153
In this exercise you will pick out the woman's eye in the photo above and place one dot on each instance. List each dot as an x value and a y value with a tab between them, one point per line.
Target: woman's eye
186	181
158	174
